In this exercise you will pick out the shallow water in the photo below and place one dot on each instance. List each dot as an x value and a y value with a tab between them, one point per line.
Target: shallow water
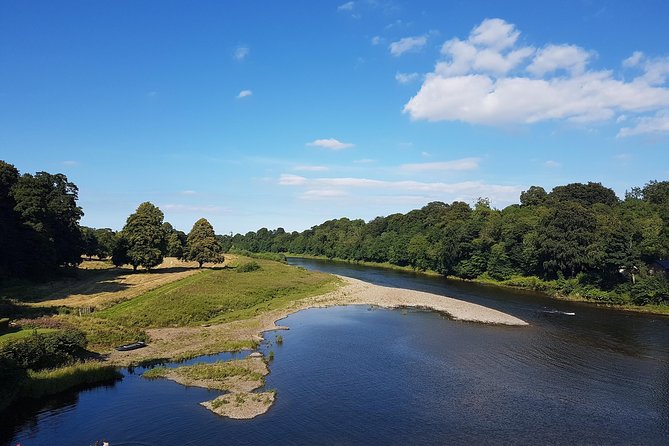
357	375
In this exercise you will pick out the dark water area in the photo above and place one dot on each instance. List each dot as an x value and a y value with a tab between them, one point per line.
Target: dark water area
358	375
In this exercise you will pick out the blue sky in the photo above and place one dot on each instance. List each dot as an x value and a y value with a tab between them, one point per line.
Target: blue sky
265	114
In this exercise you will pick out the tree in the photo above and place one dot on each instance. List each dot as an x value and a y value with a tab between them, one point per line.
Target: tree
145	236
176	241
201	245
534	196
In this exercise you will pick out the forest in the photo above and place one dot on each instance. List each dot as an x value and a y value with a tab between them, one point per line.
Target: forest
578	239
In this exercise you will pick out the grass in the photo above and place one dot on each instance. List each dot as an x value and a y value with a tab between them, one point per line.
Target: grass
216	296
385	265
49	382
217	371
25	333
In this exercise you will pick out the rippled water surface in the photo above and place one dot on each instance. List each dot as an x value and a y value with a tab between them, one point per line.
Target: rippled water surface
357	375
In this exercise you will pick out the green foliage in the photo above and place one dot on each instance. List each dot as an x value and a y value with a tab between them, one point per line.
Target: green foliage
274	256
201	245
39	223
248	267
48	382
144	237
219	296
578	239
46	350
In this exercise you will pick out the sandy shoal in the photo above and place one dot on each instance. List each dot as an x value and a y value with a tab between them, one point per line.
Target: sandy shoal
178	342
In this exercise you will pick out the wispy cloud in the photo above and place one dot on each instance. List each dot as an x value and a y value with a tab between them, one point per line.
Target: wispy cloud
461	164
287	179
364	161
405	78
71	163
348	6
187	192
319	194
407	44
552	164
310	168
330	143
489	78
377	40
244	94
241	52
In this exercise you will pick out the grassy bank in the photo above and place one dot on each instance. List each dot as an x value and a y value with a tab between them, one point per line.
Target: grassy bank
216	296
38	384
385	265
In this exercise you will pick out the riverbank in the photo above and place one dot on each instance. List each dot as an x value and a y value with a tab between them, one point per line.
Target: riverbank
174	343
548	288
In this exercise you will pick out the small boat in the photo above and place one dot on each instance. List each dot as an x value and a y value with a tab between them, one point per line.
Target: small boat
133	346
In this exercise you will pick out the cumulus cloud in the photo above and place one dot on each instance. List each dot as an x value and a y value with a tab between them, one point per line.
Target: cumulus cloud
407	44
244	94
405	78
491	78
461	164
330	143
241	52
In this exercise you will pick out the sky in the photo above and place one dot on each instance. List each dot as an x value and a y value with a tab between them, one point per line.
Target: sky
286	114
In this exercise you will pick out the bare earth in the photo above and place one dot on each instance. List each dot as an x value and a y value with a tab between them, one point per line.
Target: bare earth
179	342
101	286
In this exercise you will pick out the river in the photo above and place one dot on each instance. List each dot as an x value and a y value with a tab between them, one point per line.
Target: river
360	375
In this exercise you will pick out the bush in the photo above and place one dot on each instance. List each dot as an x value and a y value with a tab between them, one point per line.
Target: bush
248	267
650	290
48	350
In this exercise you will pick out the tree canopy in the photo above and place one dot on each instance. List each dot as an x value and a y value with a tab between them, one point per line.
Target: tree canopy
201	245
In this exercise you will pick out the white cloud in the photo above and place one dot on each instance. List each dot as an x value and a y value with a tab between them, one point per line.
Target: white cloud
348	6
559	57
364	161
318	194
71	163
241	52
490	78
405	78
330	143
291	180
466	191
309	168
552	164
649	124
244	94
461	164
407	44
187	192
377	40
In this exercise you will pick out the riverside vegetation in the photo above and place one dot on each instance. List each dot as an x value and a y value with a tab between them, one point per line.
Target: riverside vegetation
57	315
579	240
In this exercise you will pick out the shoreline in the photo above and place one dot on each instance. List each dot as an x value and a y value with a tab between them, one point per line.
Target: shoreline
176	343
241	402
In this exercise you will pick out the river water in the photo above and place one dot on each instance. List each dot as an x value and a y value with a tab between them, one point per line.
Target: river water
360	375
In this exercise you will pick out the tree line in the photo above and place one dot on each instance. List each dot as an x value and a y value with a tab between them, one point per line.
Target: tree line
40	231
577	238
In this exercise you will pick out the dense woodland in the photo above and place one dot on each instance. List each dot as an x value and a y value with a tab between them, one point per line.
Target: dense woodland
40	234
579	239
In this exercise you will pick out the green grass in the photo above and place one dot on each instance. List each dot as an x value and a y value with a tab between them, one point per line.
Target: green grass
217	371
384	265
25	333
49	382
215	296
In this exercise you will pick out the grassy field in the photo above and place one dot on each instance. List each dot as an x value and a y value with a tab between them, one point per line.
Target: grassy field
216	296
20	334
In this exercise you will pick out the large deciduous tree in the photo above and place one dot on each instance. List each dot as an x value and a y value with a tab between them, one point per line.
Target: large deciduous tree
144	237
201	245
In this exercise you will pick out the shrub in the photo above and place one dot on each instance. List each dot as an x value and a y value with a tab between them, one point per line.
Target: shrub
47	350
248	267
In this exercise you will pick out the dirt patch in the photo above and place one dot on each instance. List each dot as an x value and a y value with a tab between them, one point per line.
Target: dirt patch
98	287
